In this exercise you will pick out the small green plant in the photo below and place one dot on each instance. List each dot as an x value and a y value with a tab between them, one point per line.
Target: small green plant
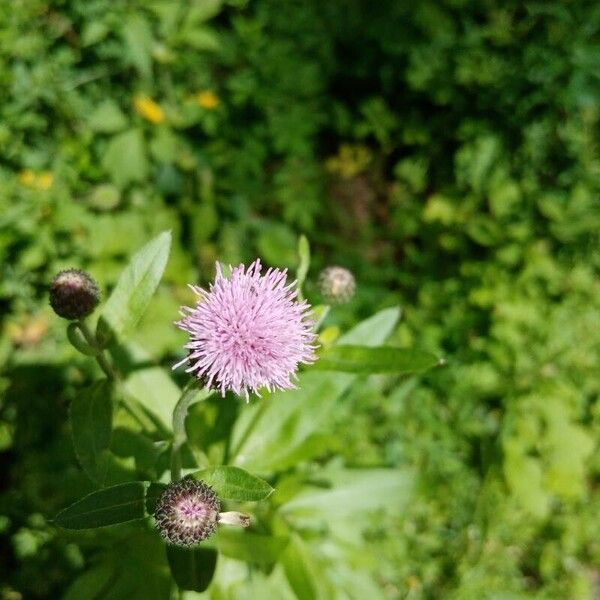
248	335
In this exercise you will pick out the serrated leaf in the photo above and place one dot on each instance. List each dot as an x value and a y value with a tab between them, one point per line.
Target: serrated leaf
112	505
381	359
91	427
135	288
233	483
192	568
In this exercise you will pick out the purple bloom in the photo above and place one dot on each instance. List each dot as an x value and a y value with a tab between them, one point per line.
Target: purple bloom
248	331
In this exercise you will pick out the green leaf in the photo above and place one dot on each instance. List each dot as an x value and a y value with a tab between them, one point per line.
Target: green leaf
107	118
267	441
250	547
91	427
137	35
192	568
233	483
382	359
304	260
153	493
351	493
304	572
116	504
135	288
156	392
125	158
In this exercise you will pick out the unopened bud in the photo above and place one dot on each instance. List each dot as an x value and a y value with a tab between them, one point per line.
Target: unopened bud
337	285
74	294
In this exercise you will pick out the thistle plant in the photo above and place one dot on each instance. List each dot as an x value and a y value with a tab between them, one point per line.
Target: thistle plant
252	359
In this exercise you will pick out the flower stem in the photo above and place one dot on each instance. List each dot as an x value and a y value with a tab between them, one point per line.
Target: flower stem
90	338
189	396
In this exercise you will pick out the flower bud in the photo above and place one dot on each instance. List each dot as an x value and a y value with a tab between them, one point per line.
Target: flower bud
74	294
337	285
187	512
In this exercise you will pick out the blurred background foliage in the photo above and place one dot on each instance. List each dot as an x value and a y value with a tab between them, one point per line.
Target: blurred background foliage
446	151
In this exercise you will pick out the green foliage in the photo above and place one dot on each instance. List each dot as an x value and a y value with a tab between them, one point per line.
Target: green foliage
134	289
91	425
233	483
444	151
109	506
192	568
362	359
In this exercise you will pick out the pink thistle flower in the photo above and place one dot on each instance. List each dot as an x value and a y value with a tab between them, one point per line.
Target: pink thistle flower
248	331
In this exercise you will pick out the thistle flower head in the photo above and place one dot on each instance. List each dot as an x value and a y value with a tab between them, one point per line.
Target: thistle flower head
187	512
73	294
248	331
337	285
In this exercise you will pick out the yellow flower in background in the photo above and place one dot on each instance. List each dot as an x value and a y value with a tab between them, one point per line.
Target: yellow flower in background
207	99
27	178
150	110
36	181
45	180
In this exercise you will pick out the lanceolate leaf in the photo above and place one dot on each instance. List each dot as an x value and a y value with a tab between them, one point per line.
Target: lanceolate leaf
304	572
135	287
381	359
91	426
233	483
266	441
112	505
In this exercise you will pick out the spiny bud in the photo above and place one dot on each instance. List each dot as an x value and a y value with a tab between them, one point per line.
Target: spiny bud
74	294
337	285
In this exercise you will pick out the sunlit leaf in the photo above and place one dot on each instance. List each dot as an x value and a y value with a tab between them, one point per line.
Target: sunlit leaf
382	359
233	483
135	288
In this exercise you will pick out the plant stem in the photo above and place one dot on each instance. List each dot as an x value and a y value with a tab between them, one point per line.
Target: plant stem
189	396
90	338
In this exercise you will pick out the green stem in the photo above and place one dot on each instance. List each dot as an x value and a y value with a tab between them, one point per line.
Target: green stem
189	396
90	338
